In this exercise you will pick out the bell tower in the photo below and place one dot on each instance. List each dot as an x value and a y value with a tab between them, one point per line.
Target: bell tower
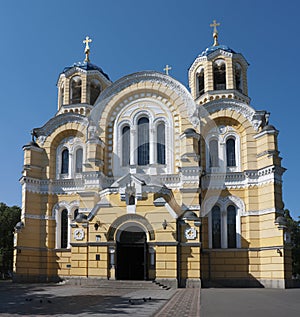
80	85
218	72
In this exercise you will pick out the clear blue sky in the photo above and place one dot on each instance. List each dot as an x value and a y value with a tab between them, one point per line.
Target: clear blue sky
39	38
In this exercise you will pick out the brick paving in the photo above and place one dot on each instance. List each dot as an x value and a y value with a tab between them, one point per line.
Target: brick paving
185	303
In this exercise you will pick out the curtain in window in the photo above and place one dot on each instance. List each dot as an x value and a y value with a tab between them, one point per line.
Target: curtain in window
230	152
79	160
64	229
65	161
216	227
231	227
143	141
161	148
126	146
213	153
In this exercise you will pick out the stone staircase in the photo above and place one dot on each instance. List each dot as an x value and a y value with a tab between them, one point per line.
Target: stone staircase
126	284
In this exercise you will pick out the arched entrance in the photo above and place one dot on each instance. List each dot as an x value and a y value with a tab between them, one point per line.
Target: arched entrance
132	254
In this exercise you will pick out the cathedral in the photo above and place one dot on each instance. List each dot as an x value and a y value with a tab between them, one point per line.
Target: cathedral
146	179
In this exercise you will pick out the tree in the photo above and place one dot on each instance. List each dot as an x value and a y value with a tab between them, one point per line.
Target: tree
294	229
9	216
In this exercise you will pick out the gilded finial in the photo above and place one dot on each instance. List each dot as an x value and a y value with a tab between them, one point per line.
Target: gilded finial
167	68
87	48
215	34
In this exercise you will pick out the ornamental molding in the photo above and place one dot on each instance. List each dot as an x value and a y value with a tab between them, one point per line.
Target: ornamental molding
249	178
147	76
57	121
38	217
256	118
130	218
223	203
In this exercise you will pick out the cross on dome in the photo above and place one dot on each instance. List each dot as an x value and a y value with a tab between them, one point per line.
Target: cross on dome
215	34
87	48
167	68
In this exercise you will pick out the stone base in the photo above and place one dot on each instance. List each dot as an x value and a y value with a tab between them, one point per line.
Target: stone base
20	278
247	283
190	283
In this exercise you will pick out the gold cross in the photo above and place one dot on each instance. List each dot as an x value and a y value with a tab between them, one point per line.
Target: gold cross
215	34
87	48
167	68
214	25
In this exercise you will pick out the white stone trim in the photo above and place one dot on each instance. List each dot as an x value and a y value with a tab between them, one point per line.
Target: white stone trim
223	203
56	214
156	112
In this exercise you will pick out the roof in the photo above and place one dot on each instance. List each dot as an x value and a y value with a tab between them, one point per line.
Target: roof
86	66
212	49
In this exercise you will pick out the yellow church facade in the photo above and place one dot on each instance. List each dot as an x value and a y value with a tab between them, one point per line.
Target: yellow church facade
144	179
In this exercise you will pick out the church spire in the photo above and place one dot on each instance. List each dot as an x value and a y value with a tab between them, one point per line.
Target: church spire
215	34
87	49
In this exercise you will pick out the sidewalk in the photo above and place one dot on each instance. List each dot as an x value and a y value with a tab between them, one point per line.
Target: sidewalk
69	300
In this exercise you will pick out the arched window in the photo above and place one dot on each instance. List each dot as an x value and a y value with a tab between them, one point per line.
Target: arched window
75	96
65	161
213	153
231	227
79	160
238	77
219	69
216	227
62	94
126	146
64	229
230	152
143	141
160	145
95	89
200	82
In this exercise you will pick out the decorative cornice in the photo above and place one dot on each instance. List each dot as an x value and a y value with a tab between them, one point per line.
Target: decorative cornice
248	178
256	118
57	121
145	76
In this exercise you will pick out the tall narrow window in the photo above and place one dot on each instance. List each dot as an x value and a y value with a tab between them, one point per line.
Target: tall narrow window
219	69
65	161
230	152
213	153
64	229
75	90
216	227
75	213
126	146
79	161
161	141
231	226
95	89
200	79
238	77
62	95
143	141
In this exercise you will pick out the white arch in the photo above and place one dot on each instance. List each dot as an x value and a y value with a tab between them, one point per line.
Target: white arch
126	225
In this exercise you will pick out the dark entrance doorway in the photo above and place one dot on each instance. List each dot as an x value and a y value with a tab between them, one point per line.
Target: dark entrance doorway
132	255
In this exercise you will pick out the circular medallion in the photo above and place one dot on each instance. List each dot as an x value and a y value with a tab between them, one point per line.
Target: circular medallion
78	234
190	233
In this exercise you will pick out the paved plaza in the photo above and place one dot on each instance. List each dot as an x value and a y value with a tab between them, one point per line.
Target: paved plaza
143	299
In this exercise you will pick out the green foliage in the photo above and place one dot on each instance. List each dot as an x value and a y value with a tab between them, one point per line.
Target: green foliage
294	229
9	216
